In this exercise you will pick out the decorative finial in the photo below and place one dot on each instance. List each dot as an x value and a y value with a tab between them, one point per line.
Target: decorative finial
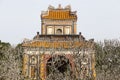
59	6
68	7
50	7
37	35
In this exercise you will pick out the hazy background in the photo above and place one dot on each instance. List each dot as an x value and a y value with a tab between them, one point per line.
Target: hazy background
98	19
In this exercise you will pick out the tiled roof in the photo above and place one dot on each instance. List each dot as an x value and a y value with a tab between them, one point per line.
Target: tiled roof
59	14
68	44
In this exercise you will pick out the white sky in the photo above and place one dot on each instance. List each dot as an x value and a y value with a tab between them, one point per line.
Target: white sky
98	19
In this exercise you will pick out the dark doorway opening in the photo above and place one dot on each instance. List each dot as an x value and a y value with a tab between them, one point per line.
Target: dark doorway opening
59	31
58	64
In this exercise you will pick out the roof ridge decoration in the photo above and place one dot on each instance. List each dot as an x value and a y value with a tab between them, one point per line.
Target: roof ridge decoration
68	7
59	13
59	6
51	7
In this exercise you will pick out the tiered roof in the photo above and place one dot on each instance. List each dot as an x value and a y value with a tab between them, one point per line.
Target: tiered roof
59	13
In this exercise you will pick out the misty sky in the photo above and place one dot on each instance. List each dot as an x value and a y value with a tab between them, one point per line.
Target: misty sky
98	19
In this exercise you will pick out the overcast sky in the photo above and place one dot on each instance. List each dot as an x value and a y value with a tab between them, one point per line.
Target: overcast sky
98	19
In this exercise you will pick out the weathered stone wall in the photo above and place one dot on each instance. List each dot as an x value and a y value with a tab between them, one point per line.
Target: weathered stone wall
87	63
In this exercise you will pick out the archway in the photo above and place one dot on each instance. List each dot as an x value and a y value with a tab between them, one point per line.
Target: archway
59	31
58	64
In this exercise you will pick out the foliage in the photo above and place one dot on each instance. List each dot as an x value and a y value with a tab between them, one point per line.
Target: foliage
10	63
108	60
3	47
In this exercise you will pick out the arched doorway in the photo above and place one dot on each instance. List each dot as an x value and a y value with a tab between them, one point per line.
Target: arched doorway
59	31
58	65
